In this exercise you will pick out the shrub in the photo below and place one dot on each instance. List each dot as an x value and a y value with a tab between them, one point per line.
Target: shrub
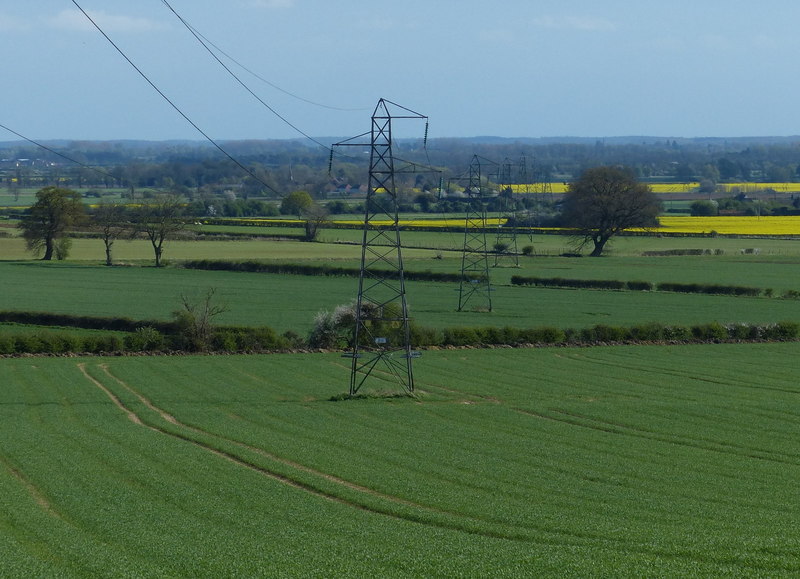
511	335
491	335
740	331
677	333
294	339
67	342
782	331
649	332
713	332
145	339
703	208
460	337
28	343
111	343
225	340
604	333
544	335
7	345
259	339
425	336
527	250
645	286
324	332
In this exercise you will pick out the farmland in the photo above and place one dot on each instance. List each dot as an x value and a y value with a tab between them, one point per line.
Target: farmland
668	459
684	464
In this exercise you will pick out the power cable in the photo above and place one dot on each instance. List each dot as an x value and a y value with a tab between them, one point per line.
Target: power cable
233	74
77	162
197	33
174	106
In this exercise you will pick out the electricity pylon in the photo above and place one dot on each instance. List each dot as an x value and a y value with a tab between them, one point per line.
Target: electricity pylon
505	245
475	285
381	341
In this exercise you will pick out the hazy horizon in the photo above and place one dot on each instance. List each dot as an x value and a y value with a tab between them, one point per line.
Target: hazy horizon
512	69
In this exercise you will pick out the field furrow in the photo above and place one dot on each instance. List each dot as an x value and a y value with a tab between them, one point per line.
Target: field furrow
506	463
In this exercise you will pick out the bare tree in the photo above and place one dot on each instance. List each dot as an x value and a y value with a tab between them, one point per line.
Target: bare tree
195	317
158	221
315	217
112	221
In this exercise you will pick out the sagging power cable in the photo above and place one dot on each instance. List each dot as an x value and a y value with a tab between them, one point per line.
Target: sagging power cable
174	106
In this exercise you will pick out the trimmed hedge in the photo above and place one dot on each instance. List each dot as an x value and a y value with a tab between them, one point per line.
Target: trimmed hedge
251	266
671	252
698	288
603	333
560	282
716	289
86	322
243	339
140	336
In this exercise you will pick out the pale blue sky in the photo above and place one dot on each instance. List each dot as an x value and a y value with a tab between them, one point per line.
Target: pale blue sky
511	68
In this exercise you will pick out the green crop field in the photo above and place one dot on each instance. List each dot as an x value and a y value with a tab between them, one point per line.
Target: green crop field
609	461
290	302
619	461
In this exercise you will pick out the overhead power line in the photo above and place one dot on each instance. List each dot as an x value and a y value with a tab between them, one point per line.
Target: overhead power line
173	105
240	81
207	41
97	170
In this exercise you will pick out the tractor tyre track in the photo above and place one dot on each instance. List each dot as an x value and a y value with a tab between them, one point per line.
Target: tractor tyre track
614	428
557	537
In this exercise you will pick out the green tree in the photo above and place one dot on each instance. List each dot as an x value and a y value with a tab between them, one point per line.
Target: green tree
605	201
46	222
296	202
703	208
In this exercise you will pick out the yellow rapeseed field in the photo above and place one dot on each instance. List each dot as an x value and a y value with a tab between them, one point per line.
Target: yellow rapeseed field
732	225
688	187
724	225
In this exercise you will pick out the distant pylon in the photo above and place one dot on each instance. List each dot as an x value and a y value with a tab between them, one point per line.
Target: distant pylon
505	245
475	285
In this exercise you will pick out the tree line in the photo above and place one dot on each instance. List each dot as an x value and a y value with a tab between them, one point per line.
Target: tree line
57	212
601	203
46	224
196	170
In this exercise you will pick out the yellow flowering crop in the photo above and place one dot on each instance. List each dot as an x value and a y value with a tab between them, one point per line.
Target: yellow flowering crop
732	225
687	187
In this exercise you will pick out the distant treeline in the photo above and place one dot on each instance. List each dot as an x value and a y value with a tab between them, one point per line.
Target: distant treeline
197	169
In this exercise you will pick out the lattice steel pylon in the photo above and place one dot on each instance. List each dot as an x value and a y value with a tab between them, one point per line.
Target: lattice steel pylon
505	244
381	341
475	285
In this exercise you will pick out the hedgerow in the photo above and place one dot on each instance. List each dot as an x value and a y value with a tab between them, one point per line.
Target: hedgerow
716	289
232	339
252	266
699	288
652	332
86	322
561	282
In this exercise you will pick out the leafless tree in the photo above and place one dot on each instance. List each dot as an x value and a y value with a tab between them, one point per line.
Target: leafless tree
159	220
